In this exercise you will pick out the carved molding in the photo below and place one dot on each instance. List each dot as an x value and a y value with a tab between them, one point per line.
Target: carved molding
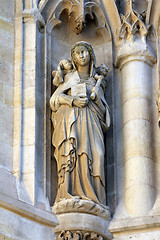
81	206
78	235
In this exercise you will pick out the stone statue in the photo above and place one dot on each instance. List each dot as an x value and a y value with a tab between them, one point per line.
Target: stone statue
80	115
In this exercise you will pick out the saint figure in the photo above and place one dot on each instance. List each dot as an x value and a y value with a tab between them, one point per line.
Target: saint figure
80	115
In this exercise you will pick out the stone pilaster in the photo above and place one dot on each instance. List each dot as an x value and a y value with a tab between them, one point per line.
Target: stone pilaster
28	100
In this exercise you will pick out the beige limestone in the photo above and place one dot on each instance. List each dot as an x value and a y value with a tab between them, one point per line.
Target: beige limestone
135	177
6	51
1	92
140	137
135	59
7	187
81	206
8	95
6	84
142	106
80	167
146	227
83	223
29	95
10	222
6	124
29	126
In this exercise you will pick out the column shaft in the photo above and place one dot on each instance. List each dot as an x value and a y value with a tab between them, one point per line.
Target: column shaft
139	188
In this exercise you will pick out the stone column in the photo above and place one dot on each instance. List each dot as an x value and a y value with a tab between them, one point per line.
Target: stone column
135	60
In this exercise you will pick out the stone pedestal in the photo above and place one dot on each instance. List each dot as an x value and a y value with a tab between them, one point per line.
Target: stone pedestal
81	219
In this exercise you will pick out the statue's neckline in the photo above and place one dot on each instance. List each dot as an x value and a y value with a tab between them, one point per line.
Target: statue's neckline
84	76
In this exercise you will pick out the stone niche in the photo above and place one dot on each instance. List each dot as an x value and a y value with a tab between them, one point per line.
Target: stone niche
61	34
69	22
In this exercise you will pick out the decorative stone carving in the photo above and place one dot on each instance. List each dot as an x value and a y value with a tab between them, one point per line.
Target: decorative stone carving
135	59
133	33
81	206
78	235
84	223
81	10
80	114
133	25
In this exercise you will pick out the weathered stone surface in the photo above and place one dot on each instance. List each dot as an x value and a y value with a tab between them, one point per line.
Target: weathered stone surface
84	223
10	222
34	37
81	206
79	235
80	97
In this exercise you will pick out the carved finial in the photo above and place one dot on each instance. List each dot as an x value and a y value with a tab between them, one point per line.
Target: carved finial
133	25
130	5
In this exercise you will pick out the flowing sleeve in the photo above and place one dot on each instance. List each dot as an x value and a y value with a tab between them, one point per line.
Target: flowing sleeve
59	97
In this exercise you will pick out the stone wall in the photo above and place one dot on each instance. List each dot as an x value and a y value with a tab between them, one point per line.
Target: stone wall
6	82
34	36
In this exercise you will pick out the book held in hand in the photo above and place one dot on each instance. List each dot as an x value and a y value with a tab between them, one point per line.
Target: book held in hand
79	90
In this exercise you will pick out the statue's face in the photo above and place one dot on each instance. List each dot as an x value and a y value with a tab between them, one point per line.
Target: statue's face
81	55
103	71
66	64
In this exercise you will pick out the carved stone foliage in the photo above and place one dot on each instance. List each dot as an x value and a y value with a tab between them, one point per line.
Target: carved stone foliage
81	206
78	235
83	11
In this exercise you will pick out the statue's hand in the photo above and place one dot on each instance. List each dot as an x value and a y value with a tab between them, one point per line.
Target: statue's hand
80	102
95	94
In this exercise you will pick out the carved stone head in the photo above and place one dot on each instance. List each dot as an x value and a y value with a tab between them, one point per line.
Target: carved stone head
92	61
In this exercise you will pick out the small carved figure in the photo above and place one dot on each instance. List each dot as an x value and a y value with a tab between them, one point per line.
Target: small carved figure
63	68
99	77
79	122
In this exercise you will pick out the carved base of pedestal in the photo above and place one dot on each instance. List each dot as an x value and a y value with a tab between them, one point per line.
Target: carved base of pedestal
81	206
80	219
79	235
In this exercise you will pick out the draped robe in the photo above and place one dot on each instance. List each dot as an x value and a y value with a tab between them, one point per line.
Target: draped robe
79	143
